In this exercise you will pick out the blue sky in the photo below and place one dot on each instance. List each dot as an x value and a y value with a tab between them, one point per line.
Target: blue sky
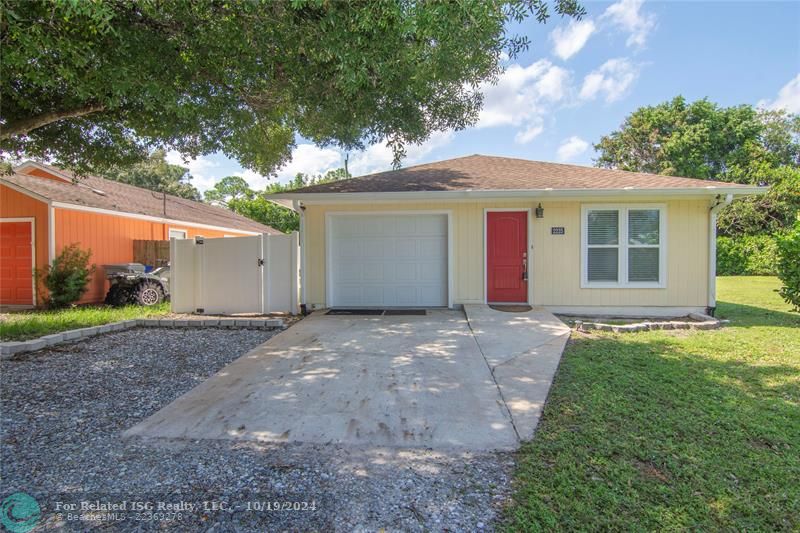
578	81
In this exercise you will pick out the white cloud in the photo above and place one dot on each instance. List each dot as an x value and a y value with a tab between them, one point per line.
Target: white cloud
310	159
611	80
201	169
256	181
568	41
571	148
379	157
530	133
523	96
626	14
788	97
553	84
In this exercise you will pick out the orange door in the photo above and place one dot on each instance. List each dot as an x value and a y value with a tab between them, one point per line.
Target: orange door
16	263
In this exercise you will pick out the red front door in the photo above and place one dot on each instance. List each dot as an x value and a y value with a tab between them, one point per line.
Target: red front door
16	268
507	256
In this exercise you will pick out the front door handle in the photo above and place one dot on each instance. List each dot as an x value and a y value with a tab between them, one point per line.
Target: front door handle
524	269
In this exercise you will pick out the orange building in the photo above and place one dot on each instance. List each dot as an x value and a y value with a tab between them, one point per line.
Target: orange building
43	209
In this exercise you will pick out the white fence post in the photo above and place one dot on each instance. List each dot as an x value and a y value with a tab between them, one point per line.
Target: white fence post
294	272
182	273
266	256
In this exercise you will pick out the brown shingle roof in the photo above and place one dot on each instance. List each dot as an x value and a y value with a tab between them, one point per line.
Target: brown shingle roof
480	172
125	198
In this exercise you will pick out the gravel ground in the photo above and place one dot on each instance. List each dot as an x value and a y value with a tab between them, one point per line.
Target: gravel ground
63	410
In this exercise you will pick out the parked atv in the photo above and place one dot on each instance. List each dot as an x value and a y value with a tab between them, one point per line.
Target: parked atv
130	284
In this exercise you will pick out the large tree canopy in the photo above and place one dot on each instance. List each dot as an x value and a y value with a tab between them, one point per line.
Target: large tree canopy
235	193
156	174
702	140
94	84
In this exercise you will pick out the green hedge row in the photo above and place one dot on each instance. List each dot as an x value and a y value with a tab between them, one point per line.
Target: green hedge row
748	255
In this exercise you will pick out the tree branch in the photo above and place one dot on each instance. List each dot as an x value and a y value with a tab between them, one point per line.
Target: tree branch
27	124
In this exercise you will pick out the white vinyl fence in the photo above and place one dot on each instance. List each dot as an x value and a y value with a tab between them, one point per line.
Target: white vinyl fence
256	274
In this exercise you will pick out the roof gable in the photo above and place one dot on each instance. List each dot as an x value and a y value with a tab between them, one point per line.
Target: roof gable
32	168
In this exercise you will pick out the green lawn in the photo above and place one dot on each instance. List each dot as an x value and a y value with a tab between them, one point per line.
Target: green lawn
31	324
672	430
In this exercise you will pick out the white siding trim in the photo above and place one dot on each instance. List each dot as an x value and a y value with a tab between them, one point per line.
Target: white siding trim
51	234
170	229
517	194
622	274
302	242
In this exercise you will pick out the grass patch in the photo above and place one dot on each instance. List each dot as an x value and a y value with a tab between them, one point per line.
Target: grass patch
25	325
676	431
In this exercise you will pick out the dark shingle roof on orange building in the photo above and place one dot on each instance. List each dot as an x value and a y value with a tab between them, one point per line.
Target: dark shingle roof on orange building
100	193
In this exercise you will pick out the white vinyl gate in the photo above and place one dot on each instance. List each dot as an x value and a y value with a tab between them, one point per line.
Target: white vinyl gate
257	274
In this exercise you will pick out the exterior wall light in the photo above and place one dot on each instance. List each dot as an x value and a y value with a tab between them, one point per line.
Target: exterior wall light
539	211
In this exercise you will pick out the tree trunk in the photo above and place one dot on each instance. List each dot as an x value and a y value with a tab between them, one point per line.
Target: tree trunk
28	124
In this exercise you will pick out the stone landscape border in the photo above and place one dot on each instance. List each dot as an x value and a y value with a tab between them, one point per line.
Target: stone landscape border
7	349
698	321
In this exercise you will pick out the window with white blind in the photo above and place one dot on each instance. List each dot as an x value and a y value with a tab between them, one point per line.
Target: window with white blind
623	246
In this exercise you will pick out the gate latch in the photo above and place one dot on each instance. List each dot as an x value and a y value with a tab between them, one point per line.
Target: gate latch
260	262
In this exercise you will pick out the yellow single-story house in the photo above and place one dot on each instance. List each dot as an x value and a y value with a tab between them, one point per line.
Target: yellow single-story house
480	229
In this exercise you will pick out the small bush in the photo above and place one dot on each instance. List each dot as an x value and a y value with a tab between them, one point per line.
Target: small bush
789	265
747	255
66	279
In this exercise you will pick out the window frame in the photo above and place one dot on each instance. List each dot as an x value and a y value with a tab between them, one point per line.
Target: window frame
170	230
623	246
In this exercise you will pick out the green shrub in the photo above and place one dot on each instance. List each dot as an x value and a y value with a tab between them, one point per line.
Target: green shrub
730	261
66	279
789	265
747	255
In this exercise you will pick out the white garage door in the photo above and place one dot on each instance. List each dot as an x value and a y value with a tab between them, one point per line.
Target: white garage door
387	260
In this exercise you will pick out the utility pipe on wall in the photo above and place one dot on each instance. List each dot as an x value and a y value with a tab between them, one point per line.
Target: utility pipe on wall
712	250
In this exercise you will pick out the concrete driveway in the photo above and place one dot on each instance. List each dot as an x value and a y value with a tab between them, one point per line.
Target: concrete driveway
439	381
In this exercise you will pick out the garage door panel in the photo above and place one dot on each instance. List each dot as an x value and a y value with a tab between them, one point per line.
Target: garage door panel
349	272
431	273
408	295
373	248
401	225
433	248
430	297
388	260
374	272
371	293
405	248
432	226
407	272
347	248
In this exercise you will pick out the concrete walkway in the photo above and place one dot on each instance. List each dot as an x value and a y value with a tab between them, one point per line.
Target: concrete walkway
523	350
402	381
